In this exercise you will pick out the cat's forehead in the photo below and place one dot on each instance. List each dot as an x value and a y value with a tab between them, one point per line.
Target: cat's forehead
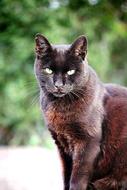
61	47
62	60
59	55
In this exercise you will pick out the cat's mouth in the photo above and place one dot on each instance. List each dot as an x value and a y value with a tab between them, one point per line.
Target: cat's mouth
59	94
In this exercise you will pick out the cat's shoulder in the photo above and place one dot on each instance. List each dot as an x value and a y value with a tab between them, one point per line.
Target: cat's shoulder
115	100
116	90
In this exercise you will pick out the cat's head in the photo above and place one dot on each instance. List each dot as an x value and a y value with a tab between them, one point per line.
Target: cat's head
61	69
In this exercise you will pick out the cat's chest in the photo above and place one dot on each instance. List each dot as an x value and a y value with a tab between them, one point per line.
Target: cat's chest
61	120
57	118
66	126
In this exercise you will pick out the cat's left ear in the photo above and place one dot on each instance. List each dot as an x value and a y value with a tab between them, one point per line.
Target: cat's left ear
43	46
79	47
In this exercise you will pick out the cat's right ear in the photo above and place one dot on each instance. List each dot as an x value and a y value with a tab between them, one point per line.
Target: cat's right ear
43	46
79	47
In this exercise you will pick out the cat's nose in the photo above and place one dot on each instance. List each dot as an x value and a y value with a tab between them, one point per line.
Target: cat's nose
58	84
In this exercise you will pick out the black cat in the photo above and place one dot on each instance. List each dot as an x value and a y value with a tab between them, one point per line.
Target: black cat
87	119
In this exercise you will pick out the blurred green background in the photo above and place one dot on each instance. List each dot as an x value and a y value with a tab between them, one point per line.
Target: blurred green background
61	21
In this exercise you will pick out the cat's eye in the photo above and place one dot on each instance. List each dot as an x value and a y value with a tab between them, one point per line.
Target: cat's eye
71	72
48	71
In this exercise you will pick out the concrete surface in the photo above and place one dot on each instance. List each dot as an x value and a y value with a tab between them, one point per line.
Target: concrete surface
29	169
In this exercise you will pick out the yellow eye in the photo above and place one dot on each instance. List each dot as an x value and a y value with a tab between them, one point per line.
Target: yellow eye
71	72
48	71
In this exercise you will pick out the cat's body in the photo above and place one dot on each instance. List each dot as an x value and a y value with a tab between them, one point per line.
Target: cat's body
86	118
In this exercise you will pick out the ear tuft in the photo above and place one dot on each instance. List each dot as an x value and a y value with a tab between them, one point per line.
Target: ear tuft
79	47
42	45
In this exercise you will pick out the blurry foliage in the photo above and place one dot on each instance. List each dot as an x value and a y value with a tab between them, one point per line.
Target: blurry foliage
103	22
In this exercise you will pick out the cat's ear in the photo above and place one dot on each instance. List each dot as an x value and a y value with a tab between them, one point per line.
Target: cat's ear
43	46
79	47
